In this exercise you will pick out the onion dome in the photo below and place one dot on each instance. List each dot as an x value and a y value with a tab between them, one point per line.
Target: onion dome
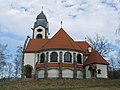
41	20
41	16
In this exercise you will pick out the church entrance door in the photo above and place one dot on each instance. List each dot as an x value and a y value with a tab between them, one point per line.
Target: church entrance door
28	69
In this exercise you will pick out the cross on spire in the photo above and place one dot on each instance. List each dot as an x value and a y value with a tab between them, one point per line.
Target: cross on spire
42	8
61	24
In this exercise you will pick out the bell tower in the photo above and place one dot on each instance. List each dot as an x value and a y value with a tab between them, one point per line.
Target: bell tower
41	27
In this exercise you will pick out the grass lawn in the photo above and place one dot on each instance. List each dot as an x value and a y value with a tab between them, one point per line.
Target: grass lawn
85	84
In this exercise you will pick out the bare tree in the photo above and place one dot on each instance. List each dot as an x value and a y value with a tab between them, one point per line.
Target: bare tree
9	69
100	44
3	53
112	64
118	59
117	31
2	67
3	56
18	62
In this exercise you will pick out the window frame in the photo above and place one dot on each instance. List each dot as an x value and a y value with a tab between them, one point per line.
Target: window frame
79	59
52	57
66	57
42	58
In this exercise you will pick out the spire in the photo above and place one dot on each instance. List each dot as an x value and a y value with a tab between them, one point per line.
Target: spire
42	8
61	24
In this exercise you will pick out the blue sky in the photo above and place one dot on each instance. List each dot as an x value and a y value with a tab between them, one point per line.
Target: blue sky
80	18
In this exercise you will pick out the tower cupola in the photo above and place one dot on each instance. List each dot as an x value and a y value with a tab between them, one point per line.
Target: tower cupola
41	27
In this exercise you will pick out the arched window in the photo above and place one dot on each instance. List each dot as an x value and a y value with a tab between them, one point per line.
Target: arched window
79	59
53	57
67	57
42	58
39	36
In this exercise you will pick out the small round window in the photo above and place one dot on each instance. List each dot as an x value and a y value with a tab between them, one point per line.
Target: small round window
39	30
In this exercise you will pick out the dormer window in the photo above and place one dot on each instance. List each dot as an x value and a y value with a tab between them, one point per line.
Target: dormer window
39	30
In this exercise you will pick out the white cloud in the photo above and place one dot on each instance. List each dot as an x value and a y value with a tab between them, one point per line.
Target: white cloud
80	17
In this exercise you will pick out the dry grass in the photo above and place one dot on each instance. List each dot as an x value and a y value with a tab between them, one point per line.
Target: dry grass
85	84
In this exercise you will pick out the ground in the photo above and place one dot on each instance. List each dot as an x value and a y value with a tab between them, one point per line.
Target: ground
85	84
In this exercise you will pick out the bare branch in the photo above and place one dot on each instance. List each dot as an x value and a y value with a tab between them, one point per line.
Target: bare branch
99	44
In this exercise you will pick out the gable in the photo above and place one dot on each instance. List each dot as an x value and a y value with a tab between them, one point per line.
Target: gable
61	40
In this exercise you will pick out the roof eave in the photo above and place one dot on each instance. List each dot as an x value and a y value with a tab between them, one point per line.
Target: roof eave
49	49
96	63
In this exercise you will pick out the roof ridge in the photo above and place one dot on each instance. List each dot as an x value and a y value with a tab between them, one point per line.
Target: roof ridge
73	41
45	43
80	48
69	40
49	40
80	41
96	52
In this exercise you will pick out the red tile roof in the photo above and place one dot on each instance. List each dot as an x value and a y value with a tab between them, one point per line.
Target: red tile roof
61	40
84	45
35	44
95	57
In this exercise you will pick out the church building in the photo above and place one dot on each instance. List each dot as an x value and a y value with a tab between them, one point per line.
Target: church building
59	57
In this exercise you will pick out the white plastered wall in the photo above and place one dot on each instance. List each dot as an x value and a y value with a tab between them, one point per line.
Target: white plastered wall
41	74
42	32
88	74
103	69
67	73
79	74
53	73
30	59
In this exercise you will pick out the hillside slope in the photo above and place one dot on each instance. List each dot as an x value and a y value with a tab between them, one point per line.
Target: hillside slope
87	84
